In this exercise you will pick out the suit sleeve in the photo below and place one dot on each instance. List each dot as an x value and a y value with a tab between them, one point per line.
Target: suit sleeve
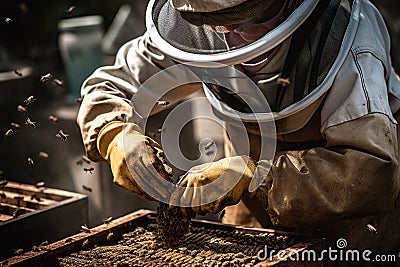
108	92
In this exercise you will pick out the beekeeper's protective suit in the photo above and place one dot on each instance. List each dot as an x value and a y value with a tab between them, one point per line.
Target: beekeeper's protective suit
336	165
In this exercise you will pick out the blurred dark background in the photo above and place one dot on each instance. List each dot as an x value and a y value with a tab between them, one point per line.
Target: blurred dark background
29	42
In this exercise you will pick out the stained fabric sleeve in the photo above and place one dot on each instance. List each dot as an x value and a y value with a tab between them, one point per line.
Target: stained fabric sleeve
107	93
354	175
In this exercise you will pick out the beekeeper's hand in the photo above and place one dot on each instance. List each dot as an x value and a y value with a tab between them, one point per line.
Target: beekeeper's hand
228	180
123	145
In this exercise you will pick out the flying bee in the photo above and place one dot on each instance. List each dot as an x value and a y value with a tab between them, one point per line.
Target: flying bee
79	162
88	169
208	145
85	229
45	77
30	123
58	82
8	20
372	228
110	236
22	109
160	130
9	132
63	136
283	81
43	155
87	188
18	73
29	100
108	220
15	125
68	240
70	10
16	213
163	103
39	184
31	162
79	100
53	119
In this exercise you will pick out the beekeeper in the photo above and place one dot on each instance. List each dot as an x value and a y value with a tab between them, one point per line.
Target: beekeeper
325	70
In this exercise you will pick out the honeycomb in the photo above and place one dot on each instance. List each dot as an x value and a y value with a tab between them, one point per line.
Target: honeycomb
200	247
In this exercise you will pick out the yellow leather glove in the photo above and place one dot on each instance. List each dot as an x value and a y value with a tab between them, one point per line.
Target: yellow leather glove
134	159
210	187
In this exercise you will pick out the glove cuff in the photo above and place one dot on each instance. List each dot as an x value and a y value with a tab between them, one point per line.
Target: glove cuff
109	132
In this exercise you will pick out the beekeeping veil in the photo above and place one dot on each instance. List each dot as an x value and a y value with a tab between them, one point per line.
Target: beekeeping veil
201	32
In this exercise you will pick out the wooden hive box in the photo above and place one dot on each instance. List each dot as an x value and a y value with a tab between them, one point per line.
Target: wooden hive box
30	215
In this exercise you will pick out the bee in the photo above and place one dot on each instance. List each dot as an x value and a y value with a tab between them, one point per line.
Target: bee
15	125
63	136
108	220
31	162
9	132
22	109
30	123
85	243
17	72
88	169
29	100
210	152
79	162
85	229
79	100
45	77
87	188
372	228
43	155
68	240
53	119
44	243
160	130
163	103
39	184
8	20
70	10
208	145
3	183
283	81
86	159
18	251
110	236
58	82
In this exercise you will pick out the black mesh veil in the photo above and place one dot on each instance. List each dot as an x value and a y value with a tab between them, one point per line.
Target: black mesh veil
201	46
